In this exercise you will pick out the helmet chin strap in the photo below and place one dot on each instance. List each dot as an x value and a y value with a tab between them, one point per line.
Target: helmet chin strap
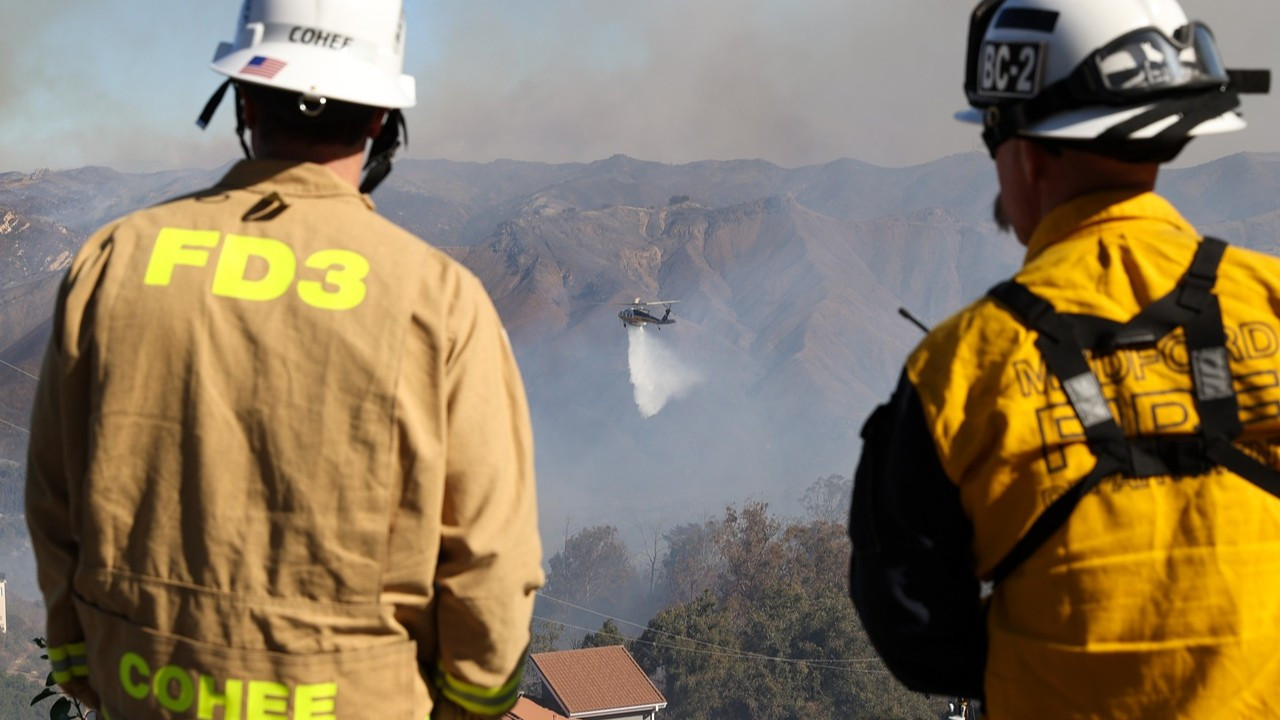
212	106
378	166
240	123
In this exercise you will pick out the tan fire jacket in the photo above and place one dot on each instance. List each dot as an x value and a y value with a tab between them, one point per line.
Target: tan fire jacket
281	465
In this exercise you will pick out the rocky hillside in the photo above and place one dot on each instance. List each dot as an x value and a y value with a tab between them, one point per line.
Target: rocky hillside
789	281
34	252
34	246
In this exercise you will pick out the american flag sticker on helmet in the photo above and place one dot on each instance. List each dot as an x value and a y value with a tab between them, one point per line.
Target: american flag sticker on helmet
262	66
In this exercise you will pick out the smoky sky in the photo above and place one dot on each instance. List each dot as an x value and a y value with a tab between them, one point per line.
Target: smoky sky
673	81
790	81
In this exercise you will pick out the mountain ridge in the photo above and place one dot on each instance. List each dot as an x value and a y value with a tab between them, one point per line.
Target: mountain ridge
789	281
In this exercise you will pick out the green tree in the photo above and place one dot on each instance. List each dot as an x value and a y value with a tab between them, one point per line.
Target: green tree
746	540
16	691
593	565
607	636
680	651
774	633
546	636
828	499
690	566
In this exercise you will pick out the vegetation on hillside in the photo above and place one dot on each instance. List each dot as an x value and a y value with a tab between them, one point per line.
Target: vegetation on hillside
753	616
16	691
12	478
22	672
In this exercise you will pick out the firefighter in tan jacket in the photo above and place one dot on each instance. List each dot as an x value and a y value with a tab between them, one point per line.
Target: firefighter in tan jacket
281	463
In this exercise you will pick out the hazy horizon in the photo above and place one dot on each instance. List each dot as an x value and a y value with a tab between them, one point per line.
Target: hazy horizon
561	81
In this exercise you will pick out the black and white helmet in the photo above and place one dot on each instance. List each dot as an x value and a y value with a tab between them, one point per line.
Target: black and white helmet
344	50
1134	79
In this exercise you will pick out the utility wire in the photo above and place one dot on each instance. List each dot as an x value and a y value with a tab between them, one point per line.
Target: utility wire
15	367
24	372
742	653
730	653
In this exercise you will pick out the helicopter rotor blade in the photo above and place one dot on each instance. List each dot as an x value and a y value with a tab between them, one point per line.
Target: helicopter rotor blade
645	303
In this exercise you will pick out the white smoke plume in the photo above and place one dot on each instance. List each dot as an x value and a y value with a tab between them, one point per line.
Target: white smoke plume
657	372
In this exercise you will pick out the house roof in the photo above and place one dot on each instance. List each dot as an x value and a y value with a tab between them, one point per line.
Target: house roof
592	680
526	709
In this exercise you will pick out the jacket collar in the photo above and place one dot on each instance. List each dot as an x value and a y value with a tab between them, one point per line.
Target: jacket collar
1087	211
290	179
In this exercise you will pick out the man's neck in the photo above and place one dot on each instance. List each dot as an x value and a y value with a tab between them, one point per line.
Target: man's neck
1075	175
1061	195
346	164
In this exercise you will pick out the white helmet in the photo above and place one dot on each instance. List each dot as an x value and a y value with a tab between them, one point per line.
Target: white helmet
351	51
345	50
1130	78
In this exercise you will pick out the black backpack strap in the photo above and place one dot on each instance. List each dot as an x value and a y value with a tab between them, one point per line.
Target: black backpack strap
1052	519
1066	361
1215	394
1192	305
1177	309
1231	457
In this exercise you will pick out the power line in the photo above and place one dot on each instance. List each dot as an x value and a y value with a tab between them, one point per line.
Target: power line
741	653
24	372
731	653
689	639
15	367
15	427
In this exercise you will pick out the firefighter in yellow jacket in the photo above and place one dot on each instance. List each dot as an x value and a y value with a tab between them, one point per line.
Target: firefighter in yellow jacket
281	463
1098	438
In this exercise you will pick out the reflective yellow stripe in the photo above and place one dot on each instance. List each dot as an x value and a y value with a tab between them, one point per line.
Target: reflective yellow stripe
69	661
479	708
477	699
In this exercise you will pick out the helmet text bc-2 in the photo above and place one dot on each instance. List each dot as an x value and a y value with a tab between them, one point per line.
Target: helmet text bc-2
345	50
1132	79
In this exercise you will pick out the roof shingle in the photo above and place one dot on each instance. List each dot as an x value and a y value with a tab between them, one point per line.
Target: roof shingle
596	679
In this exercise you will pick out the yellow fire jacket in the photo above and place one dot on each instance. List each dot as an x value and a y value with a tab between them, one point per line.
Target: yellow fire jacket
281	465
1160	596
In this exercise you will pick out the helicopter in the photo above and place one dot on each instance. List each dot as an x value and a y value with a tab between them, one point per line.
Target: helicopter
636	315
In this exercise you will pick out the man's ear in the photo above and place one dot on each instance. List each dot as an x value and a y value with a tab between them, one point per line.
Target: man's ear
1033	160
